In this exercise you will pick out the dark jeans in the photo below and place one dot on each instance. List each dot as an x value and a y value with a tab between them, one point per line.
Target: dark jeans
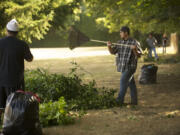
164	49
127	80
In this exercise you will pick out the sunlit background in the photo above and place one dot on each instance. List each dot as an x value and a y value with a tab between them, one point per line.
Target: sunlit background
61	53
51	53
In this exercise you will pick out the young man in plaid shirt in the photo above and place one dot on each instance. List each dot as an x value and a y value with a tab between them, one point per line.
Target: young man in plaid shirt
126	62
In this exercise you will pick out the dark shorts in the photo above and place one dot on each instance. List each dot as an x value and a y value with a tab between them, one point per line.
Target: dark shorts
4	93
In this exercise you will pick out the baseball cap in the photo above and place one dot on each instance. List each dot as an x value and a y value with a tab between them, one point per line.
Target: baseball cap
125	29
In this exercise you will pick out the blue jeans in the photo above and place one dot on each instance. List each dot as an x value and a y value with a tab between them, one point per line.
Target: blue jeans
150	52
127	80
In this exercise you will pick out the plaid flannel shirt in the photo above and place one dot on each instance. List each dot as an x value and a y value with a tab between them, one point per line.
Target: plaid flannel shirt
125	58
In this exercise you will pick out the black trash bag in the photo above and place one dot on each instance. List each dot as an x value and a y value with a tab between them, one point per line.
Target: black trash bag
21	115
148	74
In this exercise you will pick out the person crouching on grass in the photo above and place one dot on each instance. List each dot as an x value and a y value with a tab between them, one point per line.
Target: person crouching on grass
12	54
126	61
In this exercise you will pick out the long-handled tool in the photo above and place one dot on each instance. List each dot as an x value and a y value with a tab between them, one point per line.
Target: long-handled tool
76	38
106	42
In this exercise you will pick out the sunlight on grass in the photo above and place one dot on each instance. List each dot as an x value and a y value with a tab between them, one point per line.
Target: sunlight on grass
61	53
171	113
153	114
170	50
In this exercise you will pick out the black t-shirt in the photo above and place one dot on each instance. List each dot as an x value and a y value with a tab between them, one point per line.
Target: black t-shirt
12	54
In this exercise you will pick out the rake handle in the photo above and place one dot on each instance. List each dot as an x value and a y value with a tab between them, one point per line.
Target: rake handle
106	42
136	52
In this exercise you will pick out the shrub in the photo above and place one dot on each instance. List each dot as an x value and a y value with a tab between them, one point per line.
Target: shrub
78	95
61	94
55	113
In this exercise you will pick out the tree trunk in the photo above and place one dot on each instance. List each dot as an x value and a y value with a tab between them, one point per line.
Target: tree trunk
174	43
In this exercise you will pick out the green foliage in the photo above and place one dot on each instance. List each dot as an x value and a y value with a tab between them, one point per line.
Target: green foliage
37	16
87	25
143	15
132	117
146	57
94	30
55	113
77	94
64	98
163	59
171	59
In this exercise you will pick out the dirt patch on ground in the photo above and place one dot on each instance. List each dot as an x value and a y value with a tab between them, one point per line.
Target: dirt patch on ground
158	112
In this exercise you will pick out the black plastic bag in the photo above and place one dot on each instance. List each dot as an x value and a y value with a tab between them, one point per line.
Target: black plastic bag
148	74
21	115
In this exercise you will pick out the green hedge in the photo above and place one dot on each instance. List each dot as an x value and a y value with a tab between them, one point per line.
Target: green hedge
79	95
60	94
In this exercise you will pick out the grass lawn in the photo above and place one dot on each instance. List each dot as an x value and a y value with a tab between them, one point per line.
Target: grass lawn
158	112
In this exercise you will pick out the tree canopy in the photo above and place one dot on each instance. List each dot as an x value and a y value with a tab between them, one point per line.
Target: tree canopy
37	16
143	15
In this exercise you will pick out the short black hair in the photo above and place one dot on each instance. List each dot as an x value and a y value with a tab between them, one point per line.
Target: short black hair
151	34
12	32
125	29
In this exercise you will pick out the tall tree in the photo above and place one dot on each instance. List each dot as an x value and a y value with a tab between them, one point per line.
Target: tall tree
144	15
37	16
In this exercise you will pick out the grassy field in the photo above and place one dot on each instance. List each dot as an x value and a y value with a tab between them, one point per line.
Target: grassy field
158	112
